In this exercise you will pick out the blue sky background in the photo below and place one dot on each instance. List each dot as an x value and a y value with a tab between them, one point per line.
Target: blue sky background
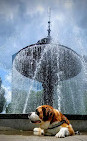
23	22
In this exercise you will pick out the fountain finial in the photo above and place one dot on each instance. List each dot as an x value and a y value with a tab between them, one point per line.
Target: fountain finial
49	14
48	39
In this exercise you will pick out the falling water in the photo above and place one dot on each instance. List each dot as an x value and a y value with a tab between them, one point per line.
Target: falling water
38	65
72	97
68	94
59	94
59	97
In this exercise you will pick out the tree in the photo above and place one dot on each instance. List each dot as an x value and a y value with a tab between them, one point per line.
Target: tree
2	97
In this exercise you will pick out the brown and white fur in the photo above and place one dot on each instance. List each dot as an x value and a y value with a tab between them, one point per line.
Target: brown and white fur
47	117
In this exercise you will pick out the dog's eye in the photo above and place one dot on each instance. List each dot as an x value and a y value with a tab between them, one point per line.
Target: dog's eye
37	112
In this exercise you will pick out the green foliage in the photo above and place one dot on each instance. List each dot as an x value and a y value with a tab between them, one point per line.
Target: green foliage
2	102
85	100
17	103
8	108
2	98
35	100
19	98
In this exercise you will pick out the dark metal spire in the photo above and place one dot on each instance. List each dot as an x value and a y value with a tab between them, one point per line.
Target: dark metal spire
49	14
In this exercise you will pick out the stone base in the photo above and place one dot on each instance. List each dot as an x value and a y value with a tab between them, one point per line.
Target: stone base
25	125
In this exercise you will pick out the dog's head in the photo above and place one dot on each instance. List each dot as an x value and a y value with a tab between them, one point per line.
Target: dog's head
42	114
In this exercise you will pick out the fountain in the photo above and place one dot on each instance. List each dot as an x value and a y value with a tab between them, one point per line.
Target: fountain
48	63
44	68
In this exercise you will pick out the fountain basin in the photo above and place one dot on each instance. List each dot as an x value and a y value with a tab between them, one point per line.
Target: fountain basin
21	122
57	58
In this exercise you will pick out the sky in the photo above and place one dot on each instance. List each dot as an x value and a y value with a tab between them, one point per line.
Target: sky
24	22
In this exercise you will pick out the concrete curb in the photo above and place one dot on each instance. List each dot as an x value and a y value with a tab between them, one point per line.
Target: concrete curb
25	125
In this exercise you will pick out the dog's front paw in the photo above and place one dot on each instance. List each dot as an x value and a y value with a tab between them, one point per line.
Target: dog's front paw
60	135
38	131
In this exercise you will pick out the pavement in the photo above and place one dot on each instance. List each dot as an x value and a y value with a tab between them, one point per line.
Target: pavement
28	136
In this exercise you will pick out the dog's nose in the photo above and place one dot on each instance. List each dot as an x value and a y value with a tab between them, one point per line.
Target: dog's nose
29	115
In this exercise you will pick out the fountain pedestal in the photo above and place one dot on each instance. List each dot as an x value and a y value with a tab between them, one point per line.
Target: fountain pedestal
48	90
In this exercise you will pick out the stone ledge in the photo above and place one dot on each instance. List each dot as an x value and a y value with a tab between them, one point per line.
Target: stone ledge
25	116
25	125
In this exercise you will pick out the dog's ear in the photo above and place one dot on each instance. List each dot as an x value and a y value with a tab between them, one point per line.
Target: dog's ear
43	109
47	113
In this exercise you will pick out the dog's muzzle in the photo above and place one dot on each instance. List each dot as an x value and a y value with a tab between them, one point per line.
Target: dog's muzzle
29	115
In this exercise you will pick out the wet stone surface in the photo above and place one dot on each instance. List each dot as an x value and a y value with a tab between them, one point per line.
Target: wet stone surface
28	136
